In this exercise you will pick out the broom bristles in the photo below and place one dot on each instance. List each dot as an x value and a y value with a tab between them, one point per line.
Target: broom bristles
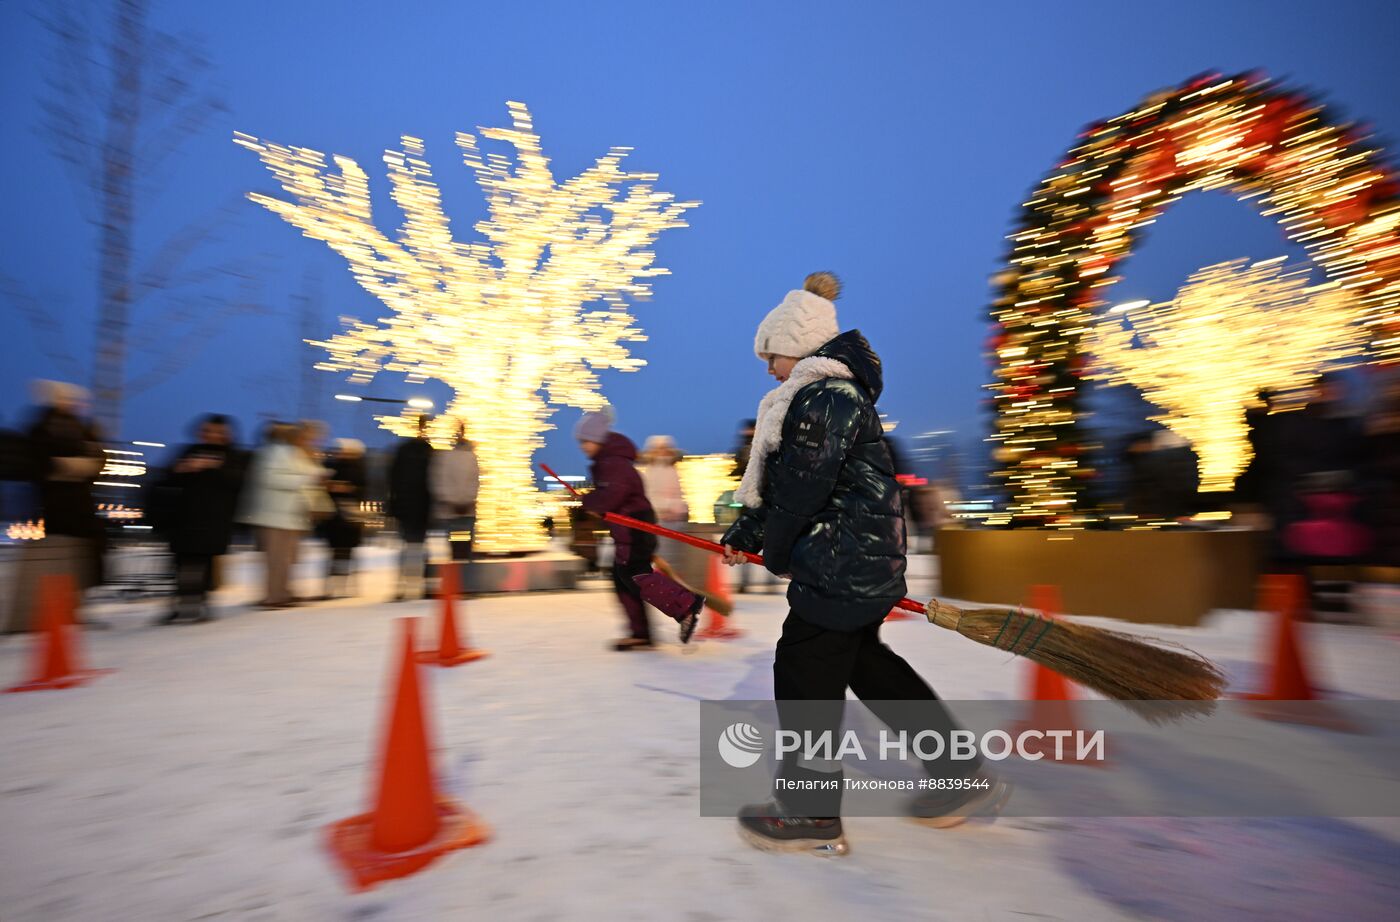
1169	680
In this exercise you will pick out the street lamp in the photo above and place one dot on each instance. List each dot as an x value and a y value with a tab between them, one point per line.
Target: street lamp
417	403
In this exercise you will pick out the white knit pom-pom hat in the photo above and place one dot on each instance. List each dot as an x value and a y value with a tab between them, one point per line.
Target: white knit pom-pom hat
804	321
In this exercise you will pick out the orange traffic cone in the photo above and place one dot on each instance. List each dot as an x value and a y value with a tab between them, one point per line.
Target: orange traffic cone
450	652
412	823
718	627
1051	694
56	650
1286	595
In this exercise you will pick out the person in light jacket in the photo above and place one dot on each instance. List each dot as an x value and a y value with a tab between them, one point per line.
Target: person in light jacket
661	480
285	492
453	479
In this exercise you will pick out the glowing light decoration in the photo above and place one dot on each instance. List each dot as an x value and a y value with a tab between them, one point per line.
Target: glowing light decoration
1231	331
1329	189
514	323
25	531
703	479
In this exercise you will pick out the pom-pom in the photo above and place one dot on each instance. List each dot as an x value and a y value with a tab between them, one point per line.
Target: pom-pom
823	285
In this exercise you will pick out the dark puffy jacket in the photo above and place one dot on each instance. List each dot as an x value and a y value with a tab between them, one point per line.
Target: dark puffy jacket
67	505
617	487
410	501
195	510
831	514
343	528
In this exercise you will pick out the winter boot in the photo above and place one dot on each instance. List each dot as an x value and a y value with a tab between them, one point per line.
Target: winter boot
766	828
806	819
688	623
672	598
184	608
984	795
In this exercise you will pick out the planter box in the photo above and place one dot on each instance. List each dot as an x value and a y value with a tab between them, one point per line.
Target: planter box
1148	577
692	564
544	572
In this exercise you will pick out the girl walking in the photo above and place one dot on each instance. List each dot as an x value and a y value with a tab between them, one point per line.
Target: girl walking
617	487
822	506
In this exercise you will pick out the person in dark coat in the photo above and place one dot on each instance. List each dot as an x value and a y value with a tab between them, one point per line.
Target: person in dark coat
343	530
823	507
15	496
1163	476
410	504
1382	453
1323	440
1249	486
193	507
62	455
743	448
617	487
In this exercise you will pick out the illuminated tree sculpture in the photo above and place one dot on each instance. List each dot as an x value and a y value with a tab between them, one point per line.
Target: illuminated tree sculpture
1231	331
513	324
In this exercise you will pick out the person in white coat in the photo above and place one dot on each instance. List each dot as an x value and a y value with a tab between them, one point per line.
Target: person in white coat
285	493
662	480
453	480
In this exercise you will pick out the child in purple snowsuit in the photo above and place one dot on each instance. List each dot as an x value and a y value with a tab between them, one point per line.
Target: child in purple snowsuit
617	487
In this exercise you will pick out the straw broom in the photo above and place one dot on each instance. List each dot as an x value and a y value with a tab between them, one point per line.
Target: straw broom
1170	680
1167	679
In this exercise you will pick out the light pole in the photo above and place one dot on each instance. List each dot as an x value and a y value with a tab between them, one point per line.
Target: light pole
417	403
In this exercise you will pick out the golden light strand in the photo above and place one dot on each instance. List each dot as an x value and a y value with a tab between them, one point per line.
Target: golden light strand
515	324
704	478
1234	329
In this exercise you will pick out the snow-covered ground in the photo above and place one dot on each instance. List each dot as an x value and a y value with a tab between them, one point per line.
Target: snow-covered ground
195	782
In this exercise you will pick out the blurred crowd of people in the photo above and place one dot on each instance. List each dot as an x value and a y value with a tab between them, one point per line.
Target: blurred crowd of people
294	484
290	487
1326	477
1323	480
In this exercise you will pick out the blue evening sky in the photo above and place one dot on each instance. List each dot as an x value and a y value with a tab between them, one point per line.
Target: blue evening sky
890	142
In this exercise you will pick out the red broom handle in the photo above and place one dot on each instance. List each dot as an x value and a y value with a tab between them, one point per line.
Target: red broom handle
627	521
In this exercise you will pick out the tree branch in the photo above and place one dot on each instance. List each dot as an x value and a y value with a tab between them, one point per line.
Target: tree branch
66	119
189	346
158	271
179	311
176	67
46	324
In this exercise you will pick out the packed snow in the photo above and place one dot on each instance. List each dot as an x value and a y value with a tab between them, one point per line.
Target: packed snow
195	782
